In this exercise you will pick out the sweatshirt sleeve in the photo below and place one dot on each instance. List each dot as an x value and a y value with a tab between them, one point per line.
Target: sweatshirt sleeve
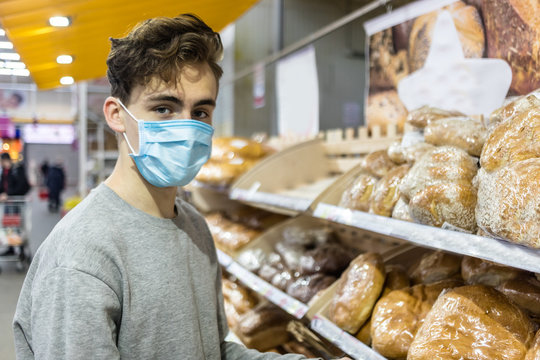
74	316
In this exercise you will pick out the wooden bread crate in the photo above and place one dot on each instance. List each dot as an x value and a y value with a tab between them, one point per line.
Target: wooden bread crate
288	181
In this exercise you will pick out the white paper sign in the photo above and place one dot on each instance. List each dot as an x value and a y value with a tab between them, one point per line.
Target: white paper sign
298	94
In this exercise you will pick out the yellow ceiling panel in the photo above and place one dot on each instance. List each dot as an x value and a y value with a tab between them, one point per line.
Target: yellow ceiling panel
93	23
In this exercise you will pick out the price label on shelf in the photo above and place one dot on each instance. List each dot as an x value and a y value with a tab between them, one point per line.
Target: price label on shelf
278	297
343	340
287	202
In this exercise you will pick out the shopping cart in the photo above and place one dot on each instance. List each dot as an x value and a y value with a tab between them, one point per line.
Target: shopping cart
13	233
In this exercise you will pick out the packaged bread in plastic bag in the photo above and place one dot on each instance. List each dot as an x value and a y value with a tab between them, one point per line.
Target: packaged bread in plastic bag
463	132
378	163
357	195
386	192
400	154
512	108
513	140
534	351
473	322
425	115
509	202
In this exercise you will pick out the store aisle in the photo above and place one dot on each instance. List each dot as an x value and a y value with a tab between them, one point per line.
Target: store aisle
10	285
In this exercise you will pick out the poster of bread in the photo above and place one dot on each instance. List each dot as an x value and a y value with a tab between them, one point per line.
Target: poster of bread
466	56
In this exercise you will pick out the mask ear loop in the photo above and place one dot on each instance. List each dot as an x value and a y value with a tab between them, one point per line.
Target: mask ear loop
124	133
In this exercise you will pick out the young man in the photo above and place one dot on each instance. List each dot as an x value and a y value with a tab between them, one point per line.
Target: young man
130	273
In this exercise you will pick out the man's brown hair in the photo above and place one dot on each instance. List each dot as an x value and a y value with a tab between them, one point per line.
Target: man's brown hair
161	47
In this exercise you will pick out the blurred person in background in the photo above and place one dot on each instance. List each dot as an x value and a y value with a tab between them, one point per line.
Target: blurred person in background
55	182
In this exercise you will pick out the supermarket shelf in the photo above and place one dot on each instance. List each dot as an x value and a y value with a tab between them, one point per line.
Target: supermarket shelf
223	189
255	283
283	204
343	340
495	250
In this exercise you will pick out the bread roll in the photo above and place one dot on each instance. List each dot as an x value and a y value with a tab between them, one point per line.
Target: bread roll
364	334
473	322
519	47
435	266
263	327
512	108
306	287
400	154
240	297
525	293
329	259
465	133
396	277
509	202
401	210
386	192
223	173
514	140
378	163
534	351
356	196
468	25
425	115
229	236
358	289
385	108
398	315
441	165
451	203
478	271
225	149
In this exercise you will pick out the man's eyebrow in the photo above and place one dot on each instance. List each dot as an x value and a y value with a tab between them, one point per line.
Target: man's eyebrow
211	102
170	98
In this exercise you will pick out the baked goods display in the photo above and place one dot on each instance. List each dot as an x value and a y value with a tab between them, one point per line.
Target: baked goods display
357	196
237	300
435	266
477	271
231	157
473	322
386	193
377	163
302	262
400	154
425	115
534	351
462	132
385	108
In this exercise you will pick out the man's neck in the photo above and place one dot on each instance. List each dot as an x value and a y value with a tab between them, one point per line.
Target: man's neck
126	181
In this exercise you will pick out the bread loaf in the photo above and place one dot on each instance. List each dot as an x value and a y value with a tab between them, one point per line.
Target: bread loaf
435	266
386	192
441	165
396	278
473	322
329	259
509	202
514	140
356	196
524	292
400	154
519	47
223	173
401	210
364	334
465	133
237	301
425	115
225	149
378	163
306	287
263	327
229	236
534	351
358	289
468	25
451	203
385	108
477	271
398	315
518	105
386	67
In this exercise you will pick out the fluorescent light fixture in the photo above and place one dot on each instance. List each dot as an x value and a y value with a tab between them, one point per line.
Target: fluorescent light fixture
16	72
10	56
59	21
64	59
2	32
14	65
6	45
66	80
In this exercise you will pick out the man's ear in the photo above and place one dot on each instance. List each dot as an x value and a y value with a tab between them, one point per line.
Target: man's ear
112	110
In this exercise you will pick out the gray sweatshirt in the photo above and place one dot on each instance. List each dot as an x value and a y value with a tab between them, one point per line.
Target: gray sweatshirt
113	282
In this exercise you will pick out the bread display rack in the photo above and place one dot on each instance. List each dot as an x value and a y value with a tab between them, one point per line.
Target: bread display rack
288	181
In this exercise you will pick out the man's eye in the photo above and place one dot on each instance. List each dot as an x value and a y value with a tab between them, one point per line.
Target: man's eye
162	110
200	114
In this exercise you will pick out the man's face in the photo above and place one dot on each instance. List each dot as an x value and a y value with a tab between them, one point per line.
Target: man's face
192	97
6	164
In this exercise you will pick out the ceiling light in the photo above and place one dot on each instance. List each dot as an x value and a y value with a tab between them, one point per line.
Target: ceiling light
10	56
16	72
6	45
66	80
2	32
64	59
59	21
13	65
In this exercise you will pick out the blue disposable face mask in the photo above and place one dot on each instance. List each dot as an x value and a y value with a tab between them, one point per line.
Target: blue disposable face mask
171	152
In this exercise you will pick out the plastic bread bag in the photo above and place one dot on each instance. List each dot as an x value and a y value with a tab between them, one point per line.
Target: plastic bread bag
386	192
401	154
401	210
330	259
252	259
425	115
377	163
357	195
305	287
511	108
463	132
509	202
473	322
534	351
514	140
